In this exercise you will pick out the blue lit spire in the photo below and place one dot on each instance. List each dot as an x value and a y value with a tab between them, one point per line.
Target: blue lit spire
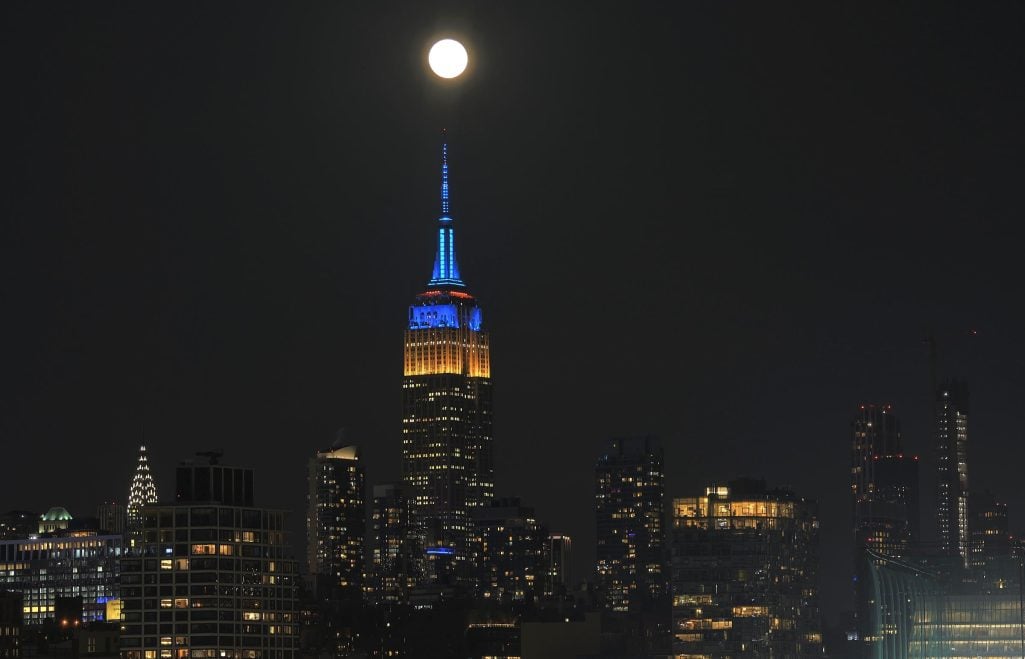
446	269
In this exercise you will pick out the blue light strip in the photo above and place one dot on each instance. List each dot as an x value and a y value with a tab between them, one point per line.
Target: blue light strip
442	551
443	271
451	256
444	179
446	270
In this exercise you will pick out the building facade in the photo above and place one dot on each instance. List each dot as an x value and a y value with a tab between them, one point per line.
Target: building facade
884	482
744	573
558	565
884	498
65	564
992	561
396	548
512	564
336	522
212	575
952	468
112	517
447	412
631	553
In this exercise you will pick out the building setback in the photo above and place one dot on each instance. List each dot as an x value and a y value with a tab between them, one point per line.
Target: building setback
884	483
744	573
885	500
212	575
446	421
629	493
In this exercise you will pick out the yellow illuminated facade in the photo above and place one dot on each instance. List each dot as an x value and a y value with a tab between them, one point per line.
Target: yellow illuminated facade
460	351
113	609
744	573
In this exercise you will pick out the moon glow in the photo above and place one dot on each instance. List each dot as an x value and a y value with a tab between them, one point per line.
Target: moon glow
447	58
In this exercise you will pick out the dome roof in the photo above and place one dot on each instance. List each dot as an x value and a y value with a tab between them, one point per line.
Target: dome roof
56	514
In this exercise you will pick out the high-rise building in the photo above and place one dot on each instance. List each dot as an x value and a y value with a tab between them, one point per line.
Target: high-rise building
112	517
63	564
558	565
884	483
991	558
212	576
396	554
952	468
744	573
884	496
512	564
336	522
446	401
629	492
141	492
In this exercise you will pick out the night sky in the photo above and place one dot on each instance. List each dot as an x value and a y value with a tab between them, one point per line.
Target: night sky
726	226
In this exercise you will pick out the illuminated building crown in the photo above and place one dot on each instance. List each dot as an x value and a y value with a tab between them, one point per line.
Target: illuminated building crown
143	489
446	268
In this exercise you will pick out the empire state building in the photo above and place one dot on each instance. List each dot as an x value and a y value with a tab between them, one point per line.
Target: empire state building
446	411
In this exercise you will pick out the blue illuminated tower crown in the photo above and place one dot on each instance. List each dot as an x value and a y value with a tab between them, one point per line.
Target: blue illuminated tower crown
446	268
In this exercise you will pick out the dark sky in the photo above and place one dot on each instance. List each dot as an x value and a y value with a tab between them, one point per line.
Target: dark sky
725	226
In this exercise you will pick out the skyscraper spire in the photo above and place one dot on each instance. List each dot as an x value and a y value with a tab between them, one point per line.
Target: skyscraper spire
444	174
142	491
446	268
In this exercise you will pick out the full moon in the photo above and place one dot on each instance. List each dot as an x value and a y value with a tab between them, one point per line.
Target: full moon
447	58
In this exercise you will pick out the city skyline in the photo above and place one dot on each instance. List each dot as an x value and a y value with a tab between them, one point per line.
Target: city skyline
235	281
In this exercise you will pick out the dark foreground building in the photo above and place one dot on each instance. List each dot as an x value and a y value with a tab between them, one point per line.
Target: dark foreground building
212	576
512	564
629	492
744	573
396	549
336	522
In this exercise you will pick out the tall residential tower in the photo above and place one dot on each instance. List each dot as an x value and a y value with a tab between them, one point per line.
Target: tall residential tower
629	491
884	483
952	468
446	411
336	521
